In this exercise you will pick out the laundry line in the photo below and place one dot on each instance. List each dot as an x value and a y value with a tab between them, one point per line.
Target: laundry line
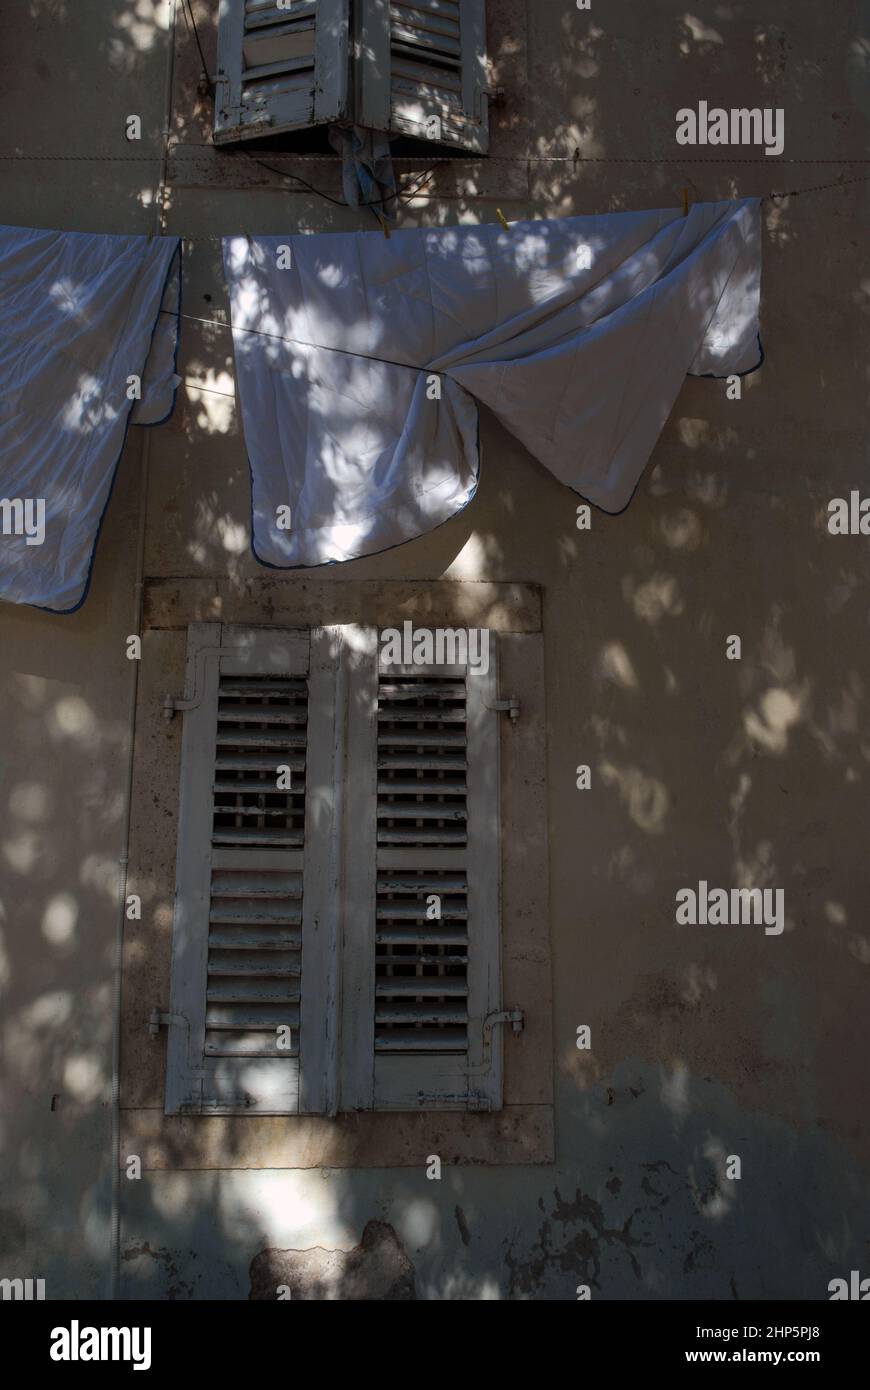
326	158
218	239
284	338
416	184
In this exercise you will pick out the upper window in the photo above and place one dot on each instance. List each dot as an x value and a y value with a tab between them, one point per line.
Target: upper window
409	67
337	937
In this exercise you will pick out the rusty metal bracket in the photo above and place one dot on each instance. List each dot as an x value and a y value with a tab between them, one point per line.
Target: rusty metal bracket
157	1019
184	702
511	707
515	1017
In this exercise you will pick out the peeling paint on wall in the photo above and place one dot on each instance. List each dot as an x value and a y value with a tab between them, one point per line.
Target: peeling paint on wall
376	1269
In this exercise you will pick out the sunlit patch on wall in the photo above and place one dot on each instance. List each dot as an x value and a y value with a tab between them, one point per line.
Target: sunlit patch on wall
59	919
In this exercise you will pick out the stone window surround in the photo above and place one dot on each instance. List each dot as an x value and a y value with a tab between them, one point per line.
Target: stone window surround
520	1133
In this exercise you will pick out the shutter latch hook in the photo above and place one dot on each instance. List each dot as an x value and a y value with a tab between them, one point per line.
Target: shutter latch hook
510	707
157	1019
515	1017
187	702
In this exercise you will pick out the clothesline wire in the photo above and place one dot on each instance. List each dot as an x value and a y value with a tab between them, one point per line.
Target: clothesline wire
404	194
340	202
816	188
387	361
766	198
415	183
284	338
326	158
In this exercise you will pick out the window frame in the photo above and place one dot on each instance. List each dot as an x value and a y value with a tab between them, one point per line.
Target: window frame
523	1131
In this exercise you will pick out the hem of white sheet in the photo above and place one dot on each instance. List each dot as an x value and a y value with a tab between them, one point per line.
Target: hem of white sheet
382	537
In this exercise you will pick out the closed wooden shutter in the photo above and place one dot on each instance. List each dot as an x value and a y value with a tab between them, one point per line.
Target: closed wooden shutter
254	962
360	906
421	960
425	59
280	69
257	874
426	866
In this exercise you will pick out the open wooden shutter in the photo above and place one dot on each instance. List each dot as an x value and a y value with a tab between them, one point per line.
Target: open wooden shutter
424	59
253	947
423	745
280	69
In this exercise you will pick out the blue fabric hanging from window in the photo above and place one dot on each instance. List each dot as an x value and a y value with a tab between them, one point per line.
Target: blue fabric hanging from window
367	174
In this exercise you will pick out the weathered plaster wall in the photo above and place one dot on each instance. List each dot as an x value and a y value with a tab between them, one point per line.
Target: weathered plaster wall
71	74
706	1041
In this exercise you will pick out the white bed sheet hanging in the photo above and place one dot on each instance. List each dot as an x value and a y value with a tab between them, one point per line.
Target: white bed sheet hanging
80	314
576	333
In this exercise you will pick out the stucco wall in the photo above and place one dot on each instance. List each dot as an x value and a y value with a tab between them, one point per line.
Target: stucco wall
706	1041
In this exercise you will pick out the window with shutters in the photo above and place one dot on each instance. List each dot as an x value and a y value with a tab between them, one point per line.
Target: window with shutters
337	941
413	68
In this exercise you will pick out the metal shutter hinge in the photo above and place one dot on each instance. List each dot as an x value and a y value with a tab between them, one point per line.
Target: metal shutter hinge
157	1019
515	1017
510	706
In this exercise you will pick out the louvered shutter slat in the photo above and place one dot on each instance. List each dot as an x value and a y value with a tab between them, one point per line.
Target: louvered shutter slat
441	88
234	1017
259	12
277	884
268	50
265	738
426	762
407	690
417	927
428	1042
264	933
224	960
251	713
395	989
434	738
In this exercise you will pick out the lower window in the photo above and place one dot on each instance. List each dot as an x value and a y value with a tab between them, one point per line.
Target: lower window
337	932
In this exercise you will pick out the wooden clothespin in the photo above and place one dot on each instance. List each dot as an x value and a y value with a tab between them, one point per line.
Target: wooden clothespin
384	224
150	237
685	202
502	219
576	157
